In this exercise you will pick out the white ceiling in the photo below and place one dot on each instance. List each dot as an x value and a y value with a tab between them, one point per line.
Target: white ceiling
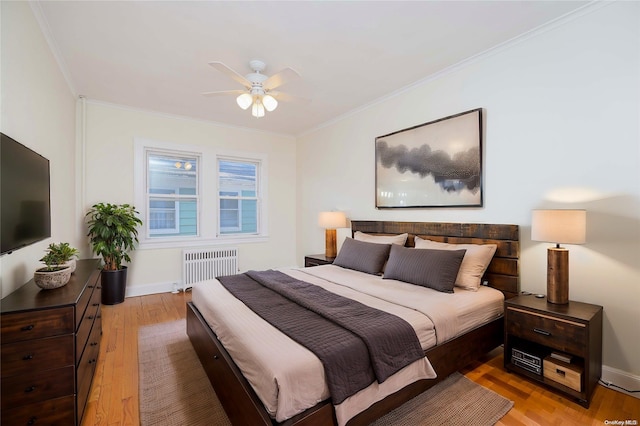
153	55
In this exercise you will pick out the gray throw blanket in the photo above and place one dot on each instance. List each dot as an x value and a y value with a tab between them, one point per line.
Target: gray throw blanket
356	344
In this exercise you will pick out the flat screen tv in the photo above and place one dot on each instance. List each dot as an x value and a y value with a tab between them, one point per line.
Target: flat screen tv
25	207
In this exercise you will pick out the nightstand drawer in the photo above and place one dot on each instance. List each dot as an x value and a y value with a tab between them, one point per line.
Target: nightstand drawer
564	335
569	375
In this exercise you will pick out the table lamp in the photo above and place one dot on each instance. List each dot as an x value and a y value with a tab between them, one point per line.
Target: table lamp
330	221
559	227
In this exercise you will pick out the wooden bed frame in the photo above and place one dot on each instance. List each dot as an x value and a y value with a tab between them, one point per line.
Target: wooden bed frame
242	405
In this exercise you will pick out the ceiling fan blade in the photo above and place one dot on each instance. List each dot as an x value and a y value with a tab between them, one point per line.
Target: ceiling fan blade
280	78
288	98
231	73
225	92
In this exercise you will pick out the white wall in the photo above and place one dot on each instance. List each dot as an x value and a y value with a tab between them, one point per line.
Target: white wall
562	131
38	110
109	148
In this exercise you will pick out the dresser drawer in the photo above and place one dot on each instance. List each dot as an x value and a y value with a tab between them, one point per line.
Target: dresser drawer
564	335
37	324
86	323
57	411
36	355
87	366
27	389
84	301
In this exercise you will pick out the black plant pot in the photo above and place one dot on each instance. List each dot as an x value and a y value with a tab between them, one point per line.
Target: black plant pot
114	284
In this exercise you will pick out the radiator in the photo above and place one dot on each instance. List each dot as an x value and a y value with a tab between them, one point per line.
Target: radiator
205	264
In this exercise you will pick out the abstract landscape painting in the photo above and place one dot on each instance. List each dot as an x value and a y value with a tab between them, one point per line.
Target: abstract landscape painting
436	164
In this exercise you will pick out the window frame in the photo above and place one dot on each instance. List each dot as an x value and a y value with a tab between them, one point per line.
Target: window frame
239	197
207	214
176	209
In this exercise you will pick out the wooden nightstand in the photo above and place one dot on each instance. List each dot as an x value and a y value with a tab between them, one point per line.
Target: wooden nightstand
317	260
535	329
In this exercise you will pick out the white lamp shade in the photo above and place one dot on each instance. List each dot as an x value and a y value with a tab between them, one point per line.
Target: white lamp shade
332	220
559	226
269	102
258	109
244	101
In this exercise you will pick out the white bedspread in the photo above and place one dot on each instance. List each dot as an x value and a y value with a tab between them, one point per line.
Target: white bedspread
289	379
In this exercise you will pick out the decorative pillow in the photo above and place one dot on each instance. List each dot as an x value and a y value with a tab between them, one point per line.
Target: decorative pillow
475	262
436	269
400	239
362	256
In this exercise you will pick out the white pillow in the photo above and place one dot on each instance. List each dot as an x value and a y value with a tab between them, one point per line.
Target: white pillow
475	261
399	239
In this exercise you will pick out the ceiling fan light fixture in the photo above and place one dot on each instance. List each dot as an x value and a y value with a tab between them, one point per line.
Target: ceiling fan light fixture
258	109
244	101
269	102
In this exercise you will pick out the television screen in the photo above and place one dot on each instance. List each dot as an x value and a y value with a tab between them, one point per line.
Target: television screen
25	209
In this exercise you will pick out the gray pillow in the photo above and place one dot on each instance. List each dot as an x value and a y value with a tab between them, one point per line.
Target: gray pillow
436	269
362	256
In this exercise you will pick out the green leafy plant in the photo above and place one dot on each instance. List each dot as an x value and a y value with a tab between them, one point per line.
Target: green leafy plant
62	250
113	232
53	260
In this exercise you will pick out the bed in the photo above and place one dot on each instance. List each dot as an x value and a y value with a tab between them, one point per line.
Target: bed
238	396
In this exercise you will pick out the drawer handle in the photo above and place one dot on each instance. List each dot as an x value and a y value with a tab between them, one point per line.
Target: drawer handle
93	343
27	357
90	317
215	357
560	372
30	389
543	332
32	421
95	304
28	327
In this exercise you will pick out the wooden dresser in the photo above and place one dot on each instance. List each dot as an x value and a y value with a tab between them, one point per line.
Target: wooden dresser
50	345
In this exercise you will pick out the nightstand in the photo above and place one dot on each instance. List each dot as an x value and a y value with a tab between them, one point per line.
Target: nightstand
534	329
317	260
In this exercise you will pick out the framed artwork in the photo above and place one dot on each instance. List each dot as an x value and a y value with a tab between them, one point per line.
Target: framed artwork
436	164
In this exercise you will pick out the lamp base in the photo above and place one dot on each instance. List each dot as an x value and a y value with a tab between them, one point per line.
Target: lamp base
330	243
558	275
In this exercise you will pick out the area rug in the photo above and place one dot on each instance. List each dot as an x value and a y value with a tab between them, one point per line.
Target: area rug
174	390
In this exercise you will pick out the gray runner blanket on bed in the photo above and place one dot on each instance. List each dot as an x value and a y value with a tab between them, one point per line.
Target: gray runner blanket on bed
356	344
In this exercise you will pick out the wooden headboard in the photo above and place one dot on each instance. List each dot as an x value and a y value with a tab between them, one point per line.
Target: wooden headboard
503	272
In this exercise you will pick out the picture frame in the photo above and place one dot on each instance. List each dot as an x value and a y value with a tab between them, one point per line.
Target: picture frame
435	164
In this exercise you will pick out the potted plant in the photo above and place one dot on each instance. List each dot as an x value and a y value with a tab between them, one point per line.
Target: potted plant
65	253
55	274
113	233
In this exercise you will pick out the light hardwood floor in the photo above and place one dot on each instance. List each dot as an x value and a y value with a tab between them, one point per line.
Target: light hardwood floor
114	392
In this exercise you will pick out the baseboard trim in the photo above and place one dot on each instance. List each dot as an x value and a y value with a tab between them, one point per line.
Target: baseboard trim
155	288
612	378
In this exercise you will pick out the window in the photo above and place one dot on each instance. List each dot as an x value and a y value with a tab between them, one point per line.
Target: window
190	195
238	196
172	194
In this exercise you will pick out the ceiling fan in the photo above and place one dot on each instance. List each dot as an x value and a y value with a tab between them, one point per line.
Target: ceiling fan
258	88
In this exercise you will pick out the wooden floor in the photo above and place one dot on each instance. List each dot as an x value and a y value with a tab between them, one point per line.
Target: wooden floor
114	393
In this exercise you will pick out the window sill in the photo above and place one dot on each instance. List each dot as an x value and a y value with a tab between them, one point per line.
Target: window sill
199	242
